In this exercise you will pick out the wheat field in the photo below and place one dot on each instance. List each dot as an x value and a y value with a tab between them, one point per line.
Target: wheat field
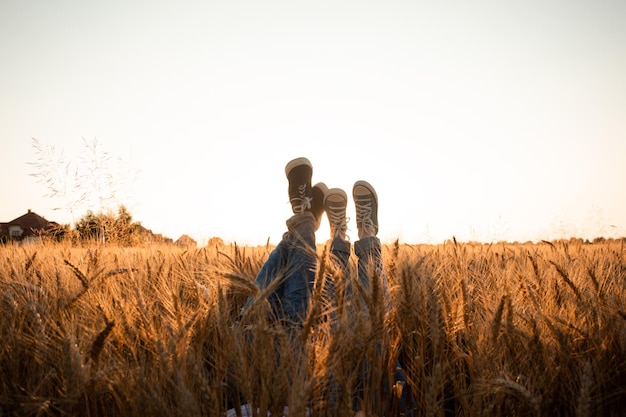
480	330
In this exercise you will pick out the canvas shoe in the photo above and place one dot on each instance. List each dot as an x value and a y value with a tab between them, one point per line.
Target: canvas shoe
299	172
318	192
366	204
335	204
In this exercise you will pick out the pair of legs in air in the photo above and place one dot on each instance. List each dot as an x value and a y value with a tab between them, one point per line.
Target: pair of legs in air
291	267
293	262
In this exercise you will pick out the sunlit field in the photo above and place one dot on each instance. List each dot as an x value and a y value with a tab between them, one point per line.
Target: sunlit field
480	330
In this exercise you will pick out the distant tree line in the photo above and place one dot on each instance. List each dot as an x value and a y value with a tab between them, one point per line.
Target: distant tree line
104	227
110	228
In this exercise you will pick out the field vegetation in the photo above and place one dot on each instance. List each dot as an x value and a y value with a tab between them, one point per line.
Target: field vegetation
481	330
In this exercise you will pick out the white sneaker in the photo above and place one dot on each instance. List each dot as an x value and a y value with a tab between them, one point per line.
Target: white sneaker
335	204
366	204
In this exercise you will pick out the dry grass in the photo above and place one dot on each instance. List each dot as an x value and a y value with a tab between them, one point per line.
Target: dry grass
485	330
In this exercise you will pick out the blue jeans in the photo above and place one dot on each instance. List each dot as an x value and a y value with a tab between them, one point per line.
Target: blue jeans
369	255
293	262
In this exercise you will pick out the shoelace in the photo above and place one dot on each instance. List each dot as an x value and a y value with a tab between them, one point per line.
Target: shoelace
336	215
337	218
364	214
302	203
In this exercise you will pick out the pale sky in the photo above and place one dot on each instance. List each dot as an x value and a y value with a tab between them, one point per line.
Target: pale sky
483	120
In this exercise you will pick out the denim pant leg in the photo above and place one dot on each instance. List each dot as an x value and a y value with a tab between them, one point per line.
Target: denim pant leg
273	269
300	268
340	257
369	254
340	252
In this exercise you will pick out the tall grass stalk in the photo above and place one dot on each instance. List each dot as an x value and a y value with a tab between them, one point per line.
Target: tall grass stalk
489	330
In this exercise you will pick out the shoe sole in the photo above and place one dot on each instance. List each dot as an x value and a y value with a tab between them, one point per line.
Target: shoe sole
367	186
336	195
296	163
322	187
